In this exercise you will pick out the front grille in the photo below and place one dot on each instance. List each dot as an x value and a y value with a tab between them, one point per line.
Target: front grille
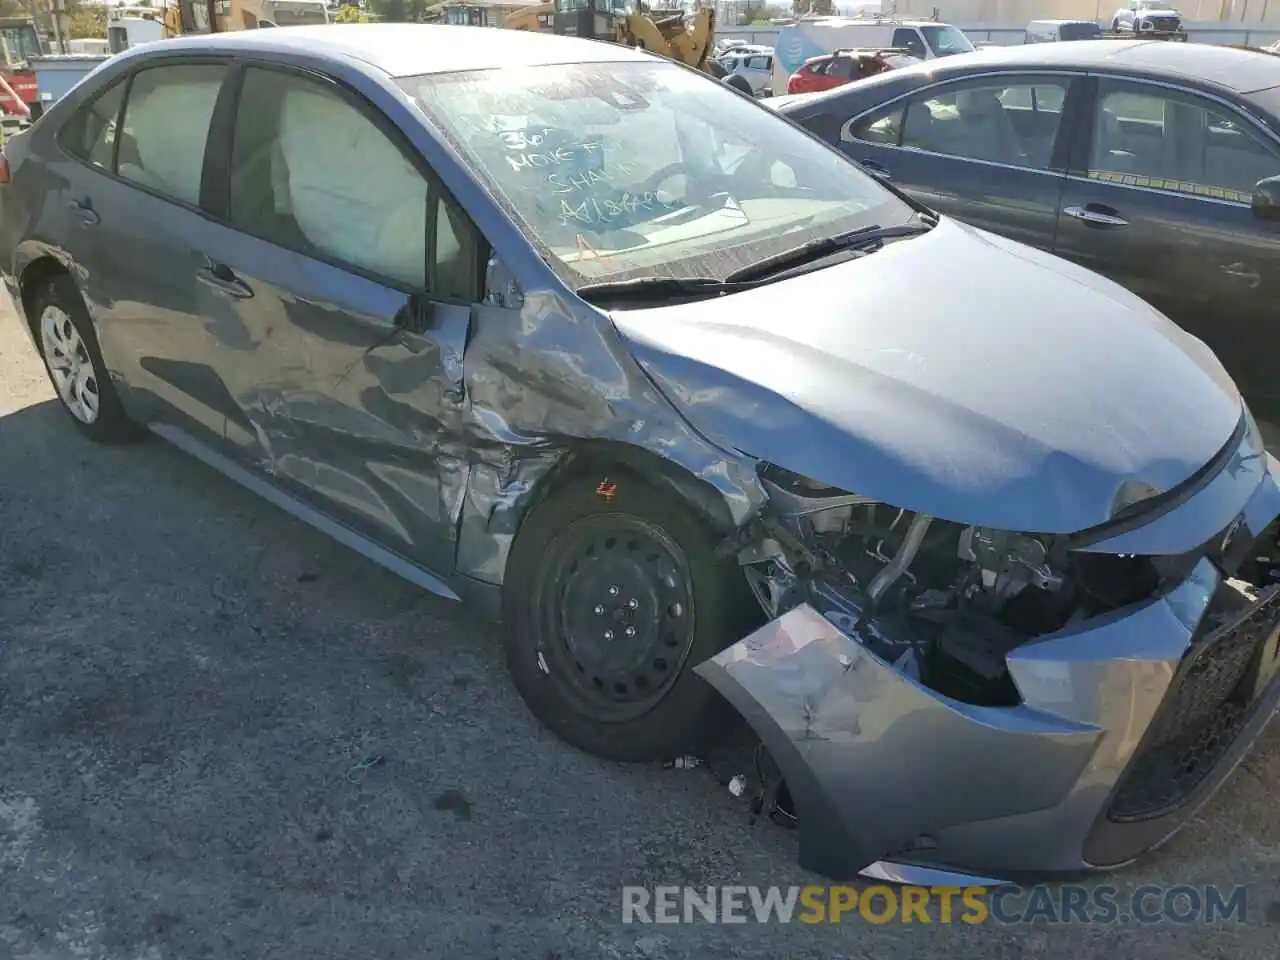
1163	24
1201	714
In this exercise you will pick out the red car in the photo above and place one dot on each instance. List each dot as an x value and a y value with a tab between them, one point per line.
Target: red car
835	69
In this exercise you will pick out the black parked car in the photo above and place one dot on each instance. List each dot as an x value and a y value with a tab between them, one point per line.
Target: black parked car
1153	163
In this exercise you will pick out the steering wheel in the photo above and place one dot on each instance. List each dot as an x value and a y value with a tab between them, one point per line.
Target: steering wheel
661	176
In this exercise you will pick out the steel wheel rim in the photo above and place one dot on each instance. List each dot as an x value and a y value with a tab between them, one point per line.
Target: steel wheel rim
603	575
70	366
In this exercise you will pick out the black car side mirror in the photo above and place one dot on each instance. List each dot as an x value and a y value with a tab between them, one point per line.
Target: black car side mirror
1266	199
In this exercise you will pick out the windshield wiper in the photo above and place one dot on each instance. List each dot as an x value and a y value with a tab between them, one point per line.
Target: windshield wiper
657	288
824	247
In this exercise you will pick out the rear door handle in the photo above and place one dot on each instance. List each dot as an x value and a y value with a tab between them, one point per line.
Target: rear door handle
223	279
83	209
1096	215
875	169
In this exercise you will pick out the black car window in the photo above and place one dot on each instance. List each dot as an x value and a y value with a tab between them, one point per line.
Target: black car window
1162	139
313	172
907	38
841	67
166	126
993	120
820	67
89	134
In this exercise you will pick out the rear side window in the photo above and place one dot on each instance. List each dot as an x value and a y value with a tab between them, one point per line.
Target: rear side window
90	133
166	126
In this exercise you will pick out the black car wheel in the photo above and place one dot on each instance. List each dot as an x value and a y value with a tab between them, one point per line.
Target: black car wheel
613	594
73	361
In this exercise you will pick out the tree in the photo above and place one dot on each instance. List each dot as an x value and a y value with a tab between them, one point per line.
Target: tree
349	13
398	11
89	21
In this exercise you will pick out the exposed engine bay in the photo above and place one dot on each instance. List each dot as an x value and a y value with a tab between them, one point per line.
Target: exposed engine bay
942	602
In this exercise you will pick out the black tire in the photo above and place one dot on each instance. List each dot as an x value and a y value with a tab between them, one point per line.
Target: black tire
109	424
555	588
739	83
1115	26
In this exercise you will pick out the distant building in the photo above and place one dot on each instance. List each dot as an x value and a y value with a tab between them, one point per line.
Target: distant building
479	13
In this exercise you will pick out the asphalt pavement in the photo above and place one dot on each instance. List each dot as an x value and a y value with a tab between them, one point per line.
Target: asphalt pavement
188	677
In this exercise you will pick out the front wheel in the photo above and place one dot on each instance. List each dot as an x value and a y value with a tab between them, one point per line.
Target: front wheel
613	595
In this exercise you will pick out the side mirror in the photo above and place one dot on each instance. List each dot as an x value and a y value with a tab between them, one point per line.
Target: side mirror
1266	199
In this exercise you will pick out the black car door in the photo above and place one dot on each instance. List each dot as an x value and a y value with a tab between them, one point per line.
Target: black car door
1159	200
987	150
132	194
342	280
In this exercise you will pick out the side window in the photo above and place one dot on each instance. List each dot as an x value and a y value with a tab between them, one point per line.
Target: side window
166	126
1152	137
819	68
882	127
996	121
759	63
91	132
312	172
841	67
907	38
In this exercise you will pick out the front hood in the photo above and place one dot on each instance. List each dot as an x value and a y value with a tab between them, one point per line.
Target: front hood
957	374
1162	12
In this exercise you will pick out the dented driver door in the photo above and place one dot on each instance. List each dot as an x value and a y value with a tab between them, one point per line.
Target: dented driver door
341	305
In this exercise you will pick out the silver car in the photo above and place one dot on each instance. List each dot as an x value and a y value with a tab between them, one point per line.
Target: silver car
974	539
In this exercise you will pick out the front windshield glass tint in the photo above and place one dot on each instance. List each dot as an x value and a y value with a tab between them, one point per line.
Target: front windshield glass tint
622	170
946	40
1080	31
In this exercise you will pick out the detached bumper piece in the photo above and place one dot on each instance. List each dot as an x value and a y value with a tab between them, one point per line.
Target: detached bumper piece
1128	722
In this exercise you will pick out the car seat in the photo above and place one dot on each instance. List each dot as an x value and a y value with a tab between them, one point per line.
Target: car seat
989	133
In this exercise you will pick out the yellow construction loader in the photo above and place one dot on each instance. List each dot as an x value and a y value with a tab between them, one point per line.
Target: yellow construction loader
671	33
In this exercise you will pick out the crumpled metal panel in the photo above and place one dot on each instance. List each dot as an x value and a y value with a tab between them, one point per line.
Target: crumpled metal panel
1033	411
880	767
544	381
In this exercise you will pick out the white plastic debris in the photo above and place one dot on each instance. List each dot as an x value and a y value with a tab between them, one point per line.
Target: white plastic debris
738	785
683	763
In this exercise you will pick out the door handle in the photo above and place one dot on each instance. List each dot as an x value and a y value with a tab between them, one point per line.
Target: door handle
875	169
223	279
83	209
1096	215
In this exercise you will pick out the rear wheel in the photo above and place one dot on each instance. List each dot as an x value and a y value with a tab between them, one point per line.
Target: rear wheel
74	362
613	595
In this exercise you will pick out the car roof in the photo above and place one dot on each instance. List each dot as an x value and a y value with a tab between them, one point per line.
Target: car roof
1243	71
409	49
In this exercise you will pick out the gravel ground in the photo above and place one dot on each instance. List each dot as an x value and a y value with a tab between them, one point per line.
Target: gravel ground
187	674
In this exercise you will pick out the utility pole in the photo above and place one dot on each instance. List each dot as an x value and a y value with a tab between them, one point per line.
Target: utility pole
212	7
58	33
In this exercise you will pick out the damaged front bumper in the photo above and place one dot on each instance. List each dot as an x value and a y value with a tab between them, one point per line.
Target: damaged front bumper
1127	720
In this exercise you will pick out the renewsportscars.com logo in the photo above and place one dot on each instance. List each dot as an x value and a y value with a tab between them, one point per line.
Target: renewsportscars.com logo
1007	906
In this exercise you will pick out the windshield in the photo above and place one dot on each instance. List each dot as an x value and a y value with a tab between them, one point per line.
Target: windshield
20	43
636	169
946	40
298	14
1080	31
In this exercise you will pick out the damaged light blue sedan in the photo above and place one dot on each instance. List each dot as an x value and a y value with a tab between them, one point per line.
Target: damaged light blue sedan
977	542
